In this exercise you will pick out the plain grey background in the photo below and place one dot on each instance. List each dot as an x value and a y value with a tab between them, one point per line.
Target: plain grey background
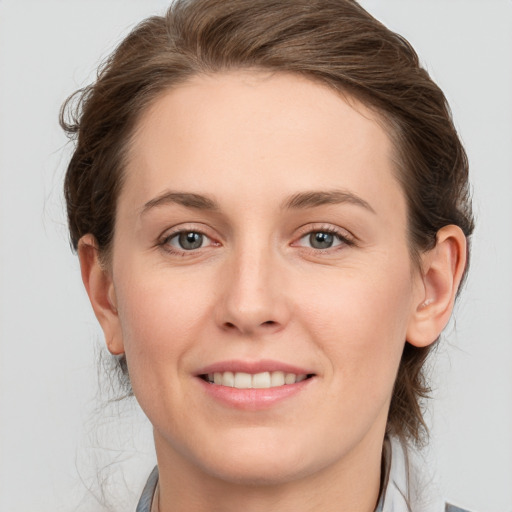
55	439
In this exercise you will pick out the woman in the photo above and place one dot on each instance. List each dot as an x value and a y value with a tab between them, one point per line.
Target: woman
270	206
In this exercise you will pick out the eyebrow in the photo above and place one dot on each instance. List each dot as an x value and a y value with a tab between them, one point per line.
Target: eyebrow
187	199
301	200
319	198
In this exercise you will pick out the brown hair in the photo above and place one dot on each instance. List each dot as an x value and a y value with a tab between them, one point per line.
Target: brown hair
335	42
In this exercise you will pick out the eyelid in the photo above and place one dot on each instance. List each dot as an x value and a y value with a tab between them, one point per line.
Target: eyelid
163	240
346	238
176	235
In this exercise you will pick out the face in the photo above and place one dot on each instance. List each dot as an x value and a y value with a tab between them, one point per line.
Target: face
261	276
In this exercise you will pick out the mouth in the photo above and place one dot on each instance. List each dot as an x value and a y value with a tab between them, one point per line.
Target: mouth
262	380
255	385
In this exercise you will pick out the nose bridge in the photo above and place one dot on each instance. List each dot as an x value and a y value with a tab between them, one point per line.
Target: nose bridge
254	299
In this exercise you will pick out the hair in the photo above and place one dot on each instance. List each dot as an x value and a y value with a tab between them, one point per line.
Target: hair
334	42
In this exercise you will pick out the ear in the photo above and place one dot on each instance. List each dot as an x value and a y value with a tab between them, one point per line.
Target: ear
442	271
100	288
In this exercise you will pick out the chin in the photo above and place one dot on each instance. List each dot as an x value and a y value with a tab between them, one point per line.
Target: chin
260	462
258	473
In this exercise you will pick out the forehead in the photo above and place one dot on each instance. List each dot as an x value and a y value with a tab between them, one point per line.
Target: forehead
250	131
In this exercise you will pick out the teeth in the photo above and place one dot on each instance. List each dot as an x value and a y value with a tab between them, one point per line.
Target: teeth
242	380
277	379
228	379
289	378
261	380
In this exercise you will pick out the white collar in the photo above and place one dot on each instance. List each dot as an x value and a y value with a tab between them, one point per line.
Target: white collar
407	488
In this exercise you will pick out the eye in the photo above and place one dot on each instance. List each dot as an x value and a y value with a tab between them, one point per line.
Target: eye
323	239
188	240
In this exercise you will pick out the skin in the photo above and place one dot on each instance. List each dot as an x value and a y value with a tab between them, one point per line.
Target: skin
257	289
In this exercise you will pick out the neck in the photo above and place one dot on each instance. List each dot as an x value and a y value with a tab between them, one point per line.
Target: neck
347	485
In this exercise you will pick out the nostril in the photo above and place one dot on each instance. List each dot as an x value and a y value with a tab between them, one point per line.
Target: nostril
248	328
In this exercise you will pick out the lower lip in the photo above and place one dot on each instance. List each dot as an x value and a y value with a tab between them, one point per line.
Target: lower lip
253	399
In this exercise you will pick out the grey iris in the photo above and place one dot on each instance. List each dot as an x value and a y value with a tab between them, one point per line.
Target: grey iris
190	240
321	240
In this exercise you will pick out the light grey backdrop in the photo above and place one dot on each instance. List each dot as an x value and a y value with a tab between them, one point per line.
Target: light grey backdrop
53	437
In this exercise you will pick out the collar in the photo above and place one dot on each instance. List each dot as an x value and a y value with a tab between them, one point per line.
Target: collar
407	487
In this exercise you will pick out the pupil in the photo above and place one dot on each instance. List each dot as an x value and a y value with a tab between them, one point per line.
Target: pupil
190	240
321	240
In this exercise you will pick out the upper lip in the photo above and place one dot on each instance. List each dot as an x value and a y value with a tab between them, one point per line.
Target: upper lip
253	367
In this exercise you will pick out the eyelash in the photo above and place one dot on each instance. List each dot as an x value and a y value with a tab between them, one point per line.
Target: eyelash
165	242
343	237
344	240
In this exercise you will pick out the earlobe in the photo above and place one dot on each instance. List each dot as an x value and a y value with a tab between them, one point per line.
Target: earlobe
442	271
100	289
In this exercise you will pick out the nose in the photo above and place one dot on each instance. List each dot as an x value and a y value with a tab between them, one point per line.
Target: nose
253	298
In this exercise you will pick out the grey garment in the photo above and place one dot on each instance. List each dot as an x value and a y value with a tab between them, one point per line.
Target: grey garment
400	493
146	498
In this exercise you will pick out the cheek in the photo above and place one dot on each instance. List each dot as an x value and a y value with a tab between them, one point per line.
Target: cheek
161	318
360	323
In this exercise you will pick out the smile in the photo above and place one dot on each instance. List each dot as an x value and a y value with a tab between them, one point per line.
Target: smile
254	385
263	380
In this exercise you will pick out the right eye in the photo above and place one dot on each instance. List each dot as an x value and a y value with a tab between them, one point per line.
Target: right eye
187	240
322	239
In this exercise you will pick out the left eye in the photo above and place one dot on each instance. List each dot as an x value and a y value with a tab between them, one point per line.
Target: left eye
188	240
321	240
